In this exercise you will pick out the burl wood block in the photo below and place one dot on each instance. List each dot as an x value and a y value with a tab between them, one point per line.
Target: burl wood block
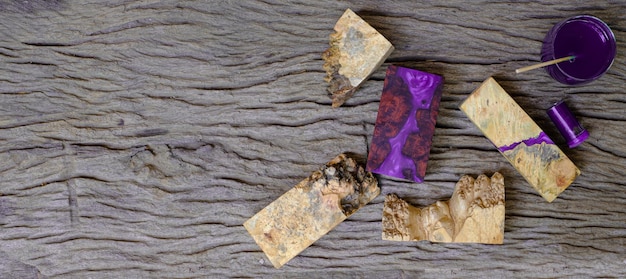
520	140
405	124
475	213
311	209
356	51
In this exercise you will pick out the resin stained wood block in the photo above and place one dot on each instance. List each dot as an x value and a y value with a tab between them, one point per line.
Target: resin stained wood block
475	213
405	124
520	140
356	51
312	208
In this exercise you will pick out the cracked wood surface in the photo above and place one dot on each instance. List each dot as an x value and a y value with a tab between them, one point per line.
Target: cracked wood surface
138	136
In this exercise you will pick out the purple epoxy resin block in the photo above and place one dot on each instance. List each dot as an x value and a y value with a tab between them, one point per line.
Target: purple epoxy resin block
405	124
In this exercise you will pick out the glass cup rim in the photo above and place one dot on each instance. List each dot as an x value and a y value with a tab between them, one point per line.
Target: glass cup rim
605	27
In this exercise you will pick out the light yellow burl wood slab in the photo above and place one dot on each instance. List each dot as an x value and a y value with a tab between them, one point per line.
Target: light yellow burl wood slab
475	213
356	51
520	140
311	209
498	116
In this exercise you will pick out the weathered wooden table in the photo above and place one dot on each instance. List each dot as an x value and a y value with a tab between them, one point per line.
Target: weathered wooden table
137	137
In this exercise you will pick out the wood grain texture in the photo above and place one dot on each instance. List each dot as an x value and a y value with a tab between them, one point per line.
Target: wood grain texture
137	137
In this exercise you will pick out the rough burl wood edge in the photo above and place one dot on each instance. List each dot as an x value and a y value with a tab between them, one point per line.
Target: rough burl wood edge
474	213
355	53
311	209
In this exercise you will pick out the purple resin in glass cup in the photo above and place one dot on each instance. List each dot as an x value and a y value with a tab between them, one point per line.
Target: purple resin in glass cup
586	37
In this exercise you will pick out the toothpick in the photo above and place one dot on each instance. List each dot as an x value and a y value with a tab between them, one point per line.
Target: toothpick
547	63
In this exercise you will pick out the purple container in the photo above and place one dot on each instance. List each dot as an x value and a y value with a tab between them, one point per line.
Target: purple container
589	39
567	124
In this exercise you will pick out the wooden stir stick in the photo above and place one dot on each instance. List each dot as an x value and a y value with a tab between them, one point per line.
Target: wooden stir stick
547	63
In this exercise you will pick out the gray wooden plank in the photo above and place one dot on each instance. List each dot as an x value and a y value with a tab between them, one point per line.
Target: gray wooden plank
138	136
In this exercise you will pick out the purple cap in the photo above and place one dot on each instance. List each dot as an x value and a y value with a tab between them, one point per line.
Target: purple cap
567	124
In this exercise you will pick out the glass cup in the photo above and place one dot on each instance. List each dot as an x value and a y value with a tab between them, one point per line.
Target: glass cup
586	37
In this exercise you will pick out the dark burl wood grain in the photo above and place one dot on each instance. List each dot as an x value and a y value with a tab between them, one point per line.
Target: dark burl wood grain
136	137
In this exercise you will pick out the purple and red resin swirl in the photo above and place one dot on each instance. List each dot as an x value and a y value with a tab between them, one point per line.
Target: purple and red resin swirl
405	124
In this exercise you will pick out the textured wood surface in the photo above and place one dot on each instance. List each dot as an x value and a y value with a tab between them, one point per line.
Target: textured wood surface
474	214
520	140
137	137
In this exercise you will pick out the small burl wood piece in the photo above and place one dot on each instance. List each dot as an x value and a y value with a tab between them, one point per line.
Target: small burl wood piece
312	208
356	51
475	213
520	140
405	124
